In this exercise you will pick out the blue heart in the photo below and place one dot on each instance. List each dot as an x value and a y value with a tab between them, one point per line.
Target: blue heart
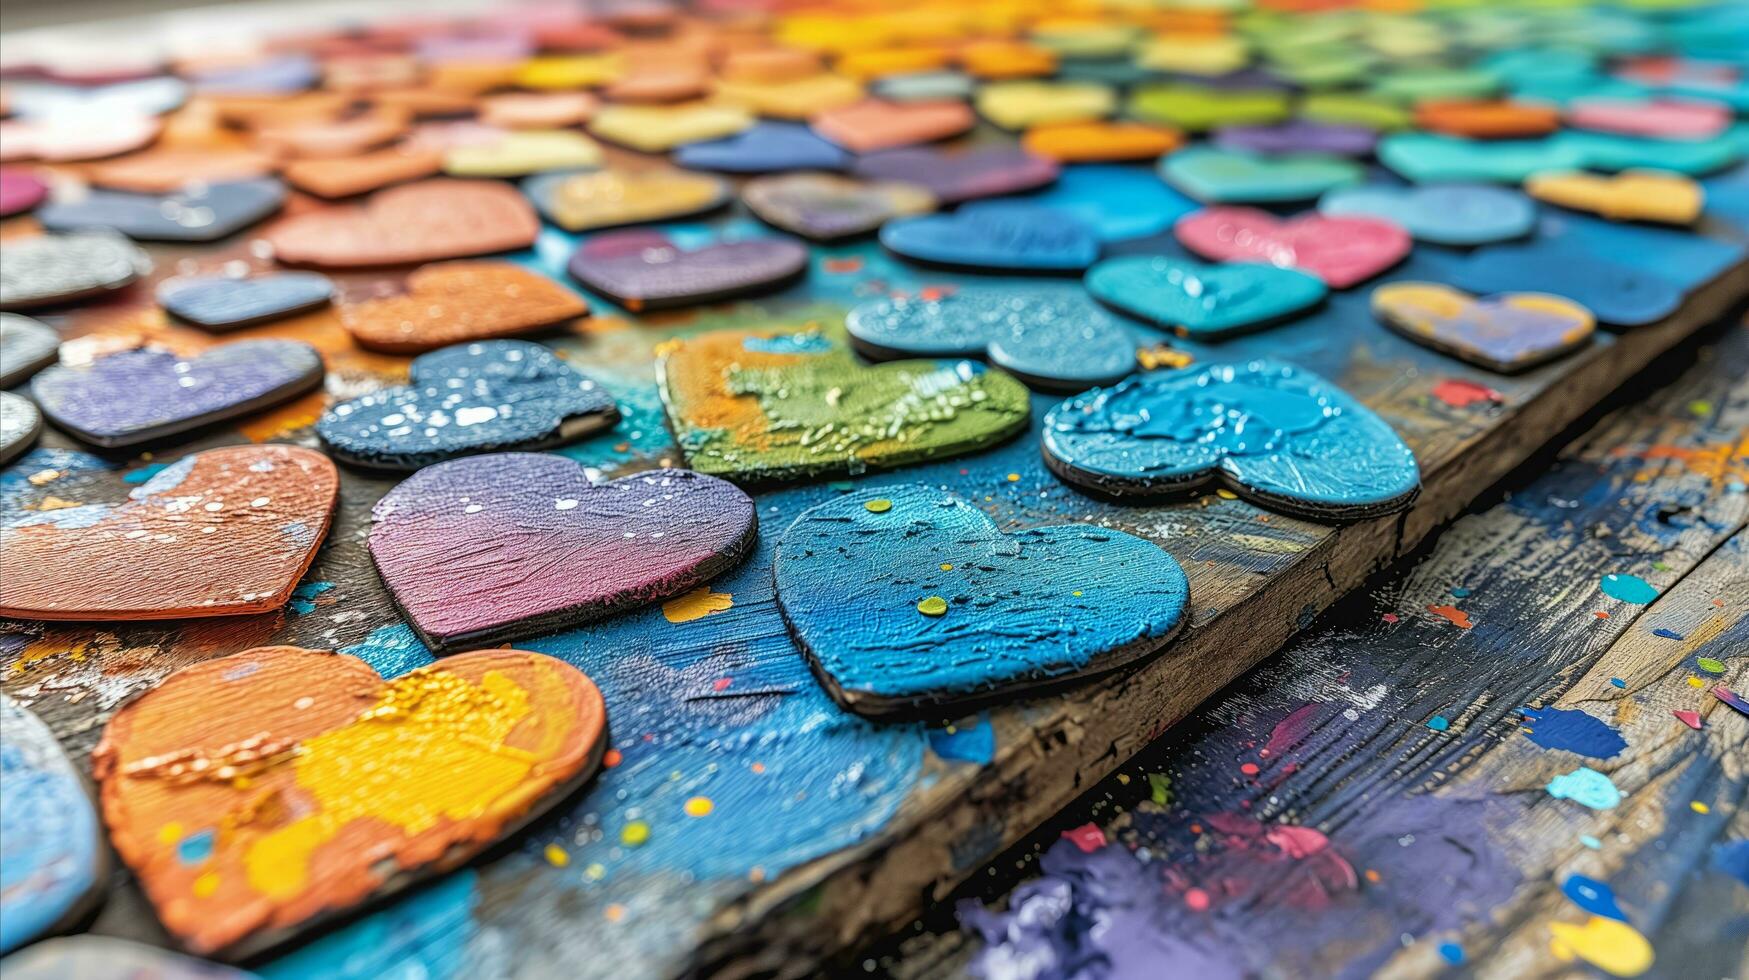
996	235
1273	432
1427	158
222	303
1617	294
767	147
1445	214
1230	177
1203	301
854	574
1053	338
50	828
1119	202
1614	151
202	213
483	397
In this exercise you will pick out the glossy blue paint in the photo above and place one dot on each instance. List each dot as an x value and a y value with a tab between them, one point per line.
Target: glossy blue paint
767	147
49	842
1593	896
223	303
1054	338
1444	214
1572	730
1216	176
968	740
996	235
489	396
1022	609
1117	202
1273	432
1203	301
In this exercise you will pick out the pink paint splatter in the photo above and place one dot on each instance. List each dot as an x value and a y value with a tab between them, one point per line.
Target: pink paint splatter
1389	617
1463	394
1197	900
1088	837
1689	718
1290	731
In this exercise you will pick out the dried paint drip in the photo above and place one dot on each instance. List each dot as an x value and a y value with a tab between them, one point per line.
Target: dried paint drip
785	405
1586	787
1628	588
233	792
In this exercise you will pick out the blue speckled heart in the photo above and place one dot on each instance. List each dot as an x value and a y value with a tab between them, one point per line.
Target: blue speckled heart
768	147
1052	338
909	597
1231	177
222	303
1203	301
1445	214
483	397
1273	432
200	213
1012	237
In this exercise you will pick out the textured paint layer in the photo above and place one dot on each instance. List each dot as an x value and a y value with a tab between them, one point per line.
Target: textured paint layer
1572	730
461	301
1505	333
49	843
1586	787
1205	302
226	303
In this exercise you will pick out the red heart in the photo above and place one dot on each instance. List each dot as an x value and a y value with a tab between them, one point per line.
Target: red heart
1339	250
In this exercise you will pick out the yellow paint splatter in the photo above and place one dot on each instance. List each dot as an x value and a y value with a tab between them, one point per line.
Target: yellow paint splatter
557	856
614	913
206	885
933	606
700	806
1720	462
1226	494
635	834
947	566
1699	807
1014	478
170	833
1612	946
879	505
57	503
697	604
41	477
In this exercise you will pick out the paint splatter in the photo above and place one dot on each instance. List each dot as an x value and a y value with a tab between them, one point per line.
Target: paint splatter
1463	394
1088	837
1439	723
1456	616
1593	896
1667	634
303	598
1572	730
697	604
1710	665
1731	698
1689	718
1628	588
1452	953
1732	858
1586	787
1159	788
973	742
1612	946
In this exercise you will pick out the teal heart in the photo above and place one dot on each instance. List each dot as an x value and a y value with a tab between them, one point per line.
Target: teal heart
1612	152
1203	301
1232	177
1425	158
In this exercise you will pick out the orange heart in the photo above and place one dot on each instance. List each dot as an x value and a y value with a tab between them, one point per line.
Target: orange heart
164	171
1091	142
874	125
461	301
226	532
260	793
432	219
1488	120
346	176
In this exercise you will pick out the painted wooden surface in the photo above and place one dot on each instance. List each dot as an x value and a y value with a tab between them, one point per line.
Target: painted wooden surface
1381	796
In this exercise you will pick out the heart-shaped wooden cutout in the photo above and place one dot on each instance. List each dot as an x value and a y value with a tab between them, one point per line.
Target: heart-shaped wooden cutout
1341	251
226	532
1507	333
422	222
461	301
258	794
875	125
1633	195
610	198
643	269
491	548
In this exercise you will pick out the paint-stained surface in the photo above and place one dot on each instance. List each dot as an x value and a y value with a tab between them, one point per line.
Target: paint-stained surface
235	789
49	841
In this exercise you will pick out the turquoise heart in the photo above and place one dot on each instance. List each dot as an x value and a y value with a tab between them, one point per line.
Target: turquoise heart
1610	151
1231	177
1203	301
1426	158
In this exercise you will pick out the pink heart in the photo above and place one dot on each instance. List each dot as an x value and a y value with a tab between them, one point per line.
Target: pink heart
1656	118
1339	250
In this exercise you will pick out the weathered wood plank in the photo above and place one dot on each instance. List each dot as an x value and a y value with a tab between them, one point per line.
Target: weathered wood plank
1447	827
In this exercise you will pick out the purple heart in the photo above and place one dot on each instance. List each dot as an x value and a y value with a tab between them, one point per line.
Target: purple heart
20	190
643	270
768	147
490	548
1298	136
956	177
145	394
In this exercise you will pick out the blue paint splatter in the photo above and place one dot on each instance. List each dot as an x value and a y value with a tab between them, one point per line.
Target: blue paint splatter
303	598
1572	730
143	473
1667	634
965	743
1452	953
1591	842
1460	593
791	343
1628	588
196	848
1438	723
1618	682
1593	896
1732	858
1586	787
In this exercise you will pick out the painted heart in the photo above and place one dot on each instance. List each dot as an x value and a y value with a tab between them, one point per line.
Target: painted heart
1200	107
346	176
1018	105
791	99
1272	432
610	198
660	128
768	147
51	854
88	955
1096	142
455	302
234	789
225	532
202	213
1203	301
170	170
1506	333
643	270
1488	119
1119	202
20	190
523	152
1673	119
1056	339
224	303
1340	251
909	598
1617	293
145	394
485	549
1225	177
76	137
874	125
421	222
61	268
826	207
1428	158
471	398
148	96
1298	136
26	347
1611	152
1445	214
1634	195
20	423
777	405
961	176
996	235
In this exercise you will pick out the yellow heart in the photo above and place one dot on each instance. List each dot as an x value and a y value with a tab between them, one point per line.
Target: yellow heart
1018	105
796	98
1196	54
659	128
568	71
624	197
1632	195
521	153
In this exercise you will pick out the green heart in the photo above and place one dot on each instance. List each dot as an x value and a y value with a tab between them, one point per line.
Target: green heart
1343	109
1197	108
772	405
1425	84
1229	177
